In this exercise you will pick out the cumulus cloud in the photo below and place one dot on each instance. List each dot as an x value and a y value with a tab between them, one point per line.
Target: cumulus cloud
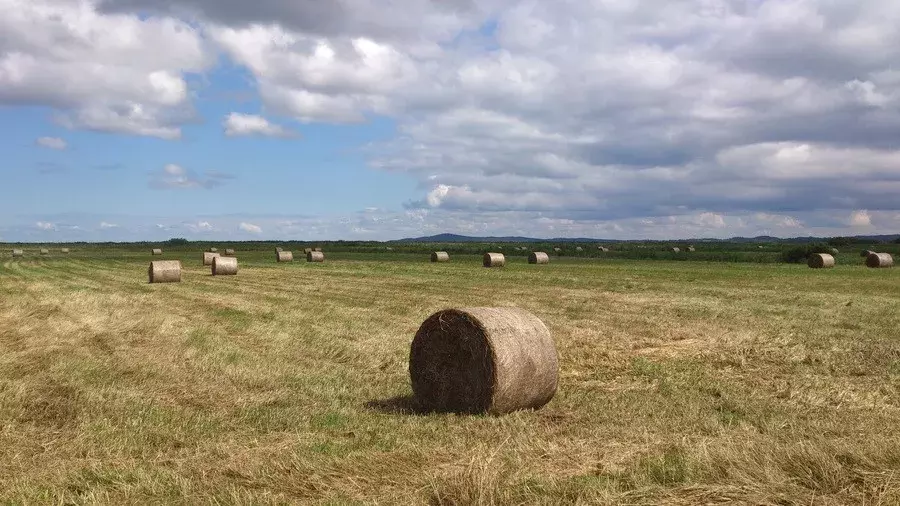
251	228
860	219
174	176
43	225
52	143
105	225
237	124
123	73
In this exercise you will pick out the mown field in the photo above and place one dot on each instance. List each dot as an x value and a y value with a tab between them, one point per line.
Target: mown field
681	382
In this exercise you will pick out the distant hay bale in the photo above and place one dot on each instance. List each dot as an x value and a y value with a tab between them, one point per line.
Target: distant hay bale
315	256
156	251
213	250
483	360
389	248
603	249
208	257
494	260
317	249
865	253
165	271
879	260
224	266
18	253
440	256
676	250
820	261
45	252
834	251
538	257
307	251
557	249
64	251
229	252
284	256
691	249
578	248
278	249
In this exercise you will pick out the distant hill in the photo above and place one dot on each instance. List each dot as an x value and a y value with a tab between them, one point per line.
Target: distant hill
758	239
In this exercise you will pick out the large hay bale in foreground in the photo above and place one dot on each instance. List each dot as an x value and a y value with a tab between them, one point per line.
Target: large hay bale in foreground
224	266
284	256
315	256
45	252
229	252
879	260
494	260
865	253
165	271
483	360
820	261
64	251
538	257
156	251
440	256
18	253
208	257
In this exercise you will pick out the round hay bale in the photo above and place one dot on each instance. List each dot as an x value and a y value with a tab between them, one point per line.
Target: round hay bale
676	250
45	252
865	253
483	360
208	257
229	252
579	248
307	251
494	260
317	249
278	249
224	266
315	256
538	257
834	251
156	251
820	261
440	256
603	249
18	253
64	251
284	256
213	250
165	271
557	249
691	249
879	260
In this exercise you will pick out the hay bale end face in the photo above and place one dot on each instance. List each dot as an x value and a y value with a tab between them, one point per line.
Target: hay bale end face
64	251
494	260
224	266
165	271
538	257
45	252
156	251
440	256
208	257
315	256
229	252
18	253
284	256
865	253
820	261
879	261
483	360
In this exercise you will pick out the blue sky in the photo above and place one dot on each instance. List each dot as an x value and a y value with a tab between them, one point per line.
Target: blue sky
355	119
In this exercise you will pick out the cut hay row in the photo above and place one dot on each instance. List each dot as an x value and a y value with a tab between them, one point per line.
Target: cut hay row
315	256
483	360
208	257
820	261
879	261
440	256
494	260
165	271
538	257
224	266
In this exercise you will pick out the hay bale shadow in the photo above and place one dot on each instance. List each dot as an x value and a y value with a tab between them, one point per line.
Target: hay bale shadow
400	405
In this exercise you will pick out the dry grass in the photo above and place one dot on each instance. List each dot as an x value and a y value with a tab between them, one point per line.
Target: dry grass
756	386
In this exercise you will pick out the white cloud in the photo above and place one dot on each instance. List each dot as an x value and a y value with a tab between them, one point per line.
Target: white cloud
237	124
105	225
52	143
173	176
43	225
860	219
249	227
